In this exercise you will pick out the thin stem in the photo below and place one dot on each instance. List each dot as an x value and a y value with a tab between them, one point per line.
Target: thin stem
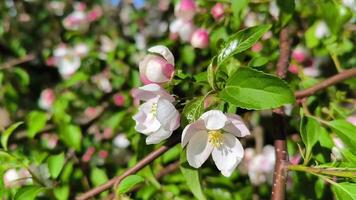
342	172
141	164
347	74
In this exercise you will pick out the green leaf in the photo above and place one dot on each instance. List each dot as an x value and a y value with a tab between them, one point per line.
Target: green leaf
28	192
258	62
310	39
36	121
24	78
98	176
286	6
344	191
188	54
252	89
71	135
241	41
128	183
55	164
346	131
192	178
61	193
309	132
6	134
194	109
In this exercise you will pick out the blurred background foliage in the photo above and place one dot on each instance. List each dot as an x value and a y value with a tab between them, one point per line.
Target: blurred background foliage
77	129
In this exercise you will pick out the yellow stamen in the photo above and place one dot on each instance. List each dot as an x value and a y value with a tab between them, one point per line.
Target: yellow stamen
216	138
154	109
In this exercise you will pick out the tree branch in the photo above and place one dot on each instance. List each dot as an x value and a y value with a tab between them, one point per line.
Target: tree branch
326	83
280	141
17	61
141	164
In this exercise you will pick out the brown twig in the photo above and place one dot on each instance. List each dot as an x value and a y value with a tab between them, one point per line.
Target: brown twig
17	61
141	164
168	169
326	83
280	139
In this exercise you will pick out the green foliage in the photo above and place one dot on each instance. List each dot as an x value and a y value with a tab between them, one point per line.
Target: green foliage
246	87
240	42
36	121
128	183
55	164
7	133
345	190
28	192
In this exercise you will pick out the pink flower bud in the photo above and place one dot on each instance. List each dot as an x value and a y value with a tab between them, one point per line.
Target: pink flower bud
217	11
119	99
293	69
200	39
157	69
88	154
94	14
186	9
46	99
299	54
257	47
103	154
90	112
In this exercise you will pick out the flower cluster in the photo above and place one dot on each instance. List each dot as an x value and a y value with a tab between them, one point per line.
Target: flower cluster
213	133
184	28
79	19
68	59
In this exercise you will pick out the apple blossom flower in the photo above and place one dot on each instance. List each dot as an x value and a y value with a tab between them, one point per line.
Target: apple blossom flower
46	99
50	140
336	151
88	154
274	9
150	91
67	61
121	141
57	7
81	49
157	118
215	133
184	29
15	178
261	166
217	11
322	30
200	39
157	68
185	9
311	71
94	14
140	41
76	21
103	154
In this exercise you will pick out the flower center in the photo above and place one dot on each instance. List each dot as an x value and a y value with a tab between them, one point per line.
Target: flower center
154	109
216	138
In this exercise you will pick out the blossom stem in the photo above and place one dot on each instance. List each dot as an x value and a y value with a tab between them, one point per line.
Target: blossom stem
340	172
141	164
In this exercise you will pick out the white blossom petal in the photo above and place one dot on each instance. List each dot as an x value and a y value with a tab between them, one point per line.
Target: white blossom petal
198	149
236	126
166	112
192	129
150	91
158	136
214	119
164	51
228	156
